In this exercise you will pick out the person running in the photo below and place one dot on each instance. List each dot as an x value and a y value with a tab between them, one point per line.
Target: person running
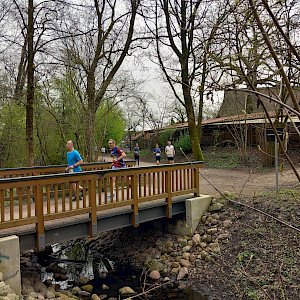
74	161
136	151
157	152
118	155
170	152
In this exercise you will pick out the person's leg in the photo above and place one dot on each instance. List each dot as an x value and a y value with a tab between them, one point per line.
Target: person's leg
138	158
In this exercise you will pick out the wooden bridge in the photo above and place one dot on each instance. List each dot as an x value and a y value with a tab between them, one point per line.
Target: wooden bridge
36	203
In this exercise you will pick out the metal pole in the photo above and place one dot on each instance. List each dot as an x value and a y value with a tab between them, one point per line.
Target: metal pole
276	164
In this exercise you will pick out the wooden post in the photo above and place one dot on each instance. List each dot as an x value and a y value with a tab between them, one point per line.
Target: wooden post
196	182
169	191
92	202
134	191
39	212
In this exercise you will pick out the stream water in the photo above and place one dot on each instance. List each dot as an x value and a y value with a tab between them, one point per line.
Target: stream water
76	261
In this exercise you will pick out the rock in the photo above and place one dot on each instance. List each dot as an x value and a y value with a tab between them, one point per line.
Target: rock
29	298
182	273
170	249
75	290
209	238
203	245
212	230
214	221
155	265
204	238
184	263
216	207
60	277
192	257
84	280
203	254
227	223
207	258
87	288
166	279
103	296
198	263
181	286
175	264
50	295
12	296
84	293
203	219
155	275
126	290
214	200
182	242
4	289
164	272
95	297
1	276
175	271
104	287
186	255
26	289
186	249
215	216
112	298
196	239
223	236
33	295
40	287
48	282
190	243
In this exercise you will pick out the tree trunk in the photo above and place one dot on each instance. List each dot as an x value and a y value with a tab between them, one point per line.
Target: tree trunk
30	88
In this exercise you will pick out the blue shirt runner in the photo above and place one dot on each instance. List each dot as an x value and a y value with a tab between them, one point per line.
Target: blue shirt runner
74	157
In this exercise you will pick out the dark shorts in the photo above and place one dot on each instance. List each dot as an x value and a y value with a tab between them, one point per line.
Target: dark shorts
170	158
157	158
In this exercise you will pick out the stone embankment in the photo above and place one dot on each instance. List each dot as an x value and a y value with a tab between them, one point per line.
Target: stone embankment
164	258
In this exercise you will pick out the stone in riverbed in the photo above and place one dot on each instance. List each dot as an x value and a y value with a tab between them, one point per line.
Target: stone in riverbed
182	273
104	287
192	257
95	297
227	223
212	230
182	242
196	239
50	295
60	277
182	286
175	271
126	290
75	290
203	245
84	293
154	275
184	263
216	207
215	216
84	280
203	219
103	296
209	238
186	249
87	288
186	255
175	264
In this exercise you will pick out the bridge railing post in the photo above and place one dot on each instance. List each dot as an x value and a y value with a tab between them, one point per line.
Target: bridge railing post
93	213
39	212
134	190
169	191
196	181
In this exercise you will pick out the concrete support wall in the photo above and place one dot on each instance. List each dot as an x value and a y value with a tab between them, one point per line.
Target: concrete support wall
195	208
10	262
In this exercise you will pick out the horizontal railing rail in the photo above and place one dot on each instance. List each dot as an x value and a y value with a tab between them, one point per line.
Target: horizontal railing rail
51	197
54	169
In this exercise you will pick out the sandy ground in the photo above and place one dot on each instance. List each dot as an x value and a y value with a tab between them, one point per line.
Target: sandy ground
243	182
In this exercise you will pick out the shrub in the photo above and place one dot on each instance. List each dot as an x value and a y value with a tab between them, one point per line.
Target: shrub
184	142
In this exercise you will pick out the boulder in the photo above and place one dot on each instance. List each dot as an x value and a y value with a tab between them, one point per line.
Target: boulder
184	263
216	207
154	275
126	290
182	273
196	239
87	288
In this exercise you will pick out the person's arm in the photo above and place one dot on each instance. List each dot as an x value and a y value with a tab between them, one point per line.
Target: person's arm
77	164
166	150
123	155
173	151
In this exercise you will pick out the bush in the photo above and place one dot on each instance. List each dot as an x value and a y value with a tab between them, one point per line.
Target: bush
166	135
184	142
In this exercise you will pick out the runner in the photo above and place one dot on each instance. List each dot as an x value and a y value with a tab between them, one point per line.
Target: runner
170	152
117	154
136	151
74	161
103	153
157	152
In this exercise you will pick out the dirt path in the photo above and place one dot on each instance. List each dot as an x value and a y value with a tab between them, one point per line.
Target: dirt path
233	181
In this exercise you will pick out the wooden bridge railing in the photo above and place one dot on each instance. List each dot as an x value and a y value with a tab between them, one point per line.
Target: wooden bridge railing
102	190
